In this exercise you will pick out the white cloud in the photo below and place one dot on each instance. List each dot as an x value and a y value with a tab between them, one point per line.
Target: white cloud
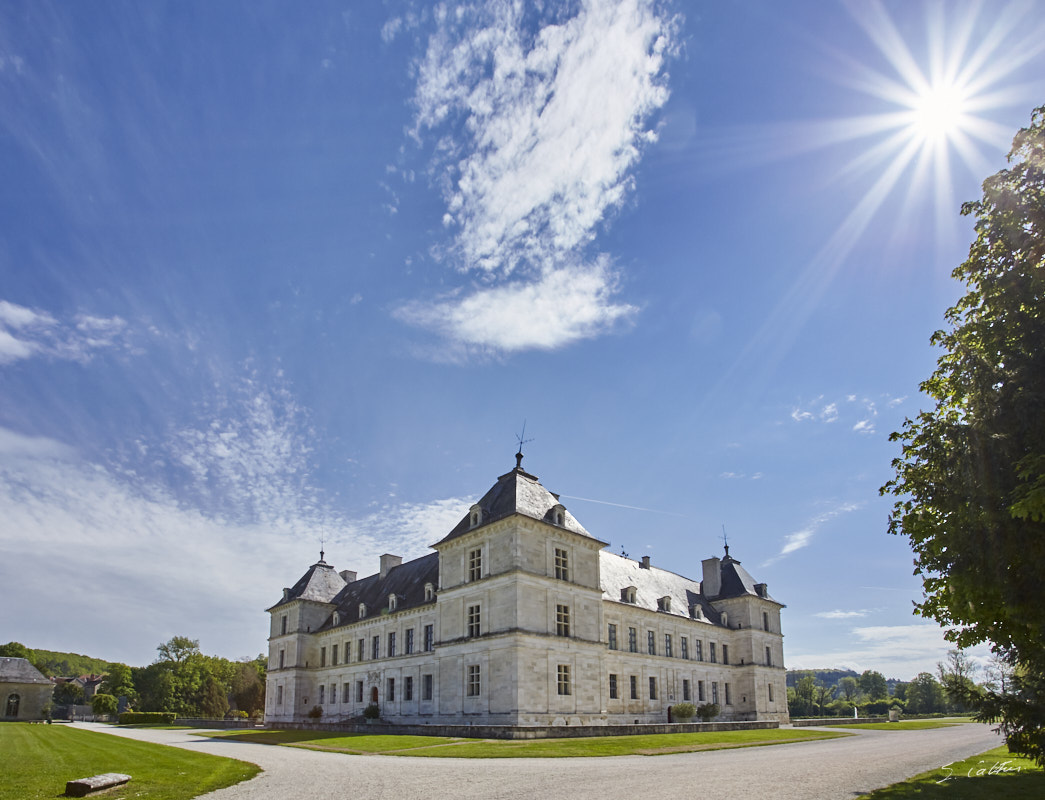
537	135
801	416
27	332
802	538
829	413
864	426
796	541
565	305
837	614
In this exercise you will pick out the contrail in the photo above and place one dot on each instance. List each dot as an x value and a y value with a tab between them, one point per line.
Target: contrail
621	505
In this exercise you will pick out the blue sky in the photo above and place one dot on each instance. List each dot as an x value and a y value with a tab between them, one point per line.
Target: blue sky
272	274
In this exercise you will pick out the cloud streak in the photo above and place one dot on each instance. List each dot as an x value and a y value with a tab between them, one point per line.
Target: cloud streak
538	129
802	538
27	333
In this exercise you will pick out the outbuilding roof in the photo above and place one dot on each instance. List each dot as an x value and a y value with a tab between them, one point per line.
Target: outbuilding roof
19	670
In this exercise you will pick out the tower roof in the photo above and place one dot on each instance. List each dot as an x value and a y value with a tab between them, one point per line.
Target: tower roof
737	581
320	583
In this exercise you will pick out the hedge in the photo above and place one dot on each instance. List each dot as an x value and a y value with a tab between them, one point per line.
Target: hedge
147	718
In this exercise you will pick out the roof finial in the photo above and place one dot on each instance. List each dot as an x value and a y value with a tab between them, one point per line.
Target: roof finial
522	440
322	542
725	540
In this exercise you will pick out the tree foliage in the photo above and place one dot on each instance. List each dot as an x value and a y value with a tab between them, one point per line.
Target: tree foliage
873	684
104	704
970	481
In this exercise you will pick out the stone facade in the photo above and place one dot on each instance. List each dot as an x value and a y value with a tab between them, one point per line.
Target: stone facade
24	692
520	617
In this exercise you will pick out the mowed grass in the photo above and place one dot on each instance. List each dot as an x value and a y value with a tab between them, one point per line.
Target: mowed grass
594	746
36	761
905	725
996	773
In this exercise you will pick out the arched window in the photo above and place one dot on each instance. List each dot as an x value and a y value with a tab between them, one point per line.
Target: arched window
13	701
392	602
362	610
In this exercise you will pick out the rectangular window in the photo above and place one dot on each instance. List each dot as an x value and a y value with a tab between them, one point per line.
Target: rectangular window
698	650
613	686
408	688
475	565
283	624
409	641
700	691
770	687
391	644
359	691
711	650
725	654
769	657
474	684
562	620
426	687
685	648
473	621
651	643
429	638
333	693
390	690
360	650
714	692
346	692
765	621
613	636
667	645
564	679
685	690
562	565
279	695
322	656
375	647
347	651
652	688
634	688
729	699
282	656
633	640
322	693
333	654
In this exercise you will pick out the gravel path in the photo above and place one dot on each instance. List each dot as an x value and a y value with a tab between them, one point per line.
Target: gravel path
823	770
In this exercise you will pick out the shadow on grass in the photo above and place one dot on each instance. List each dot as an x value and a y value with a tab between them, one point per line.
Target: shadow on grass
996	773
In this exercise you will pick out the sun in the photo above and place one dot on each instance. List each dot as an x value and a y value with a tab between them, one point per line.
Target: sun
939	113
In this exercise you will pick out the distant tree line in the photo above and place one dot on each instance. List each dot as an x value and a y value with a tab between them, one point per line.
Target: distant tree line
181	680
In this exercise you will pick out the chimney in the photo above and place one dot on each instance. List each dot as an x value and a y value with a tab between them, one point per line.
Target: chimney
348	576
388	561
645	562
712	583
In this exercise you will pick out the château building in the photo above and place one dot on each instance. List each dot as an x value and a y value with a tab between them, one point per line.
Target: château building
521	617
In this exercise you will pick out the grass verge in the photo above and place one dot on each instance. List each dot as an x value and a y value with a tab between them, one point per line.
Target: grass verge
996	773
36	761
906	725
594	746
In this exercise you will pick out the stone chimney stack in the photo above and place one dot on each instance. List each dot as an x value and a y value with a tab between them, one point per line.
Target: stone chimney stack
388	561
348	576
645	562
712	583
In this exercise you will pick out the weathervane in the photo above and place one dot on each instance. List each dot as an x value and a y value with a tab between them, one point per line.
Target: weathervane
522	440
322	543
725	540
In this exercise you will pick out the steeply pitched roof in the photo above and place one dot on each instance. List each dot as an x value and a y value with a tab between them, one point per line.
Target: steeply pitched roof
737	582
321	583
618	573
518	492
406	581
19	670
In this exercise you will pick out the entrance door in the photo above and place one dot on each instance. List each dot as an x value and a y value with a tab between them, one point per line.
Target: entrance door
373	695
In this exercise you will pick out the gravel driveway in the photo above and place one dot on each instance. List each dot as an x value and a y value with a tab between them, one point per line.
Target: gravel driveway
823	770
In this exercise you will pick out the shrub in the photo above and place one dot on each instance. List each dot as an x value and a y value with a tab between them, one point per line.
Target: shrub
315	712
683	712
147	718
238	714
372	711
707	712
104	704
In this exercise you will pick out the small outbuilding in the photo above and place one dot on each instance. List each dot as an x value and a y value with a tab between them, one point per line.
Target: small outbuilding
24	691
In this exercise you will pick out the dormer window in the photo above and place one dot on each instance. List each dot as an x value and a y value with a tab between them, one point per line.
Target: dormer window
725	619
558	514
475	516
429	592
337	618
392	602
664	603
627	594
696	612
362	610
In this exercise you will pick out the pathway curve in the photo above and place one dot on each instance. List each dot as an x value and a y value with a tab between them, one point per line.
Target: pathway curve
821	770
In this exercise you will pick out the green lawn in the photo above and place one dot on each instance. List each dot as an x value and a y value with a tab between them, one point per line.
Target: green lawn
36	761
905	725
995	773
444	747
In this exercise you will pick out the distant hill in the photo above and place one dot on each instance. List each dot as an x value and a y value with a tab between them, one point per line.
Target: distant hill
53	663
829	677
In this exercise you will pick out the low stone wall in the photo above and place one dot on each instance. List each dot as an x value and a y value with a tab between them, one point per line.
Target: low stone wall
216	723
512	732
804	723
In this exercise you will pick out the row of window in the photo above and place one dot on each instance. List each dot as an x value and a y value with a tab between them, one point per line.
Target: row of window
427	691
475	564
669	649
687	695
391	648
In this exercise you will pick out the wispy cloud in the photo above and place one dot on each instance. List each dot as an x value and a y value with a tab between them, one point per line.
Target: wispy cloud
837	614
802	538
864	409
537	134
28	332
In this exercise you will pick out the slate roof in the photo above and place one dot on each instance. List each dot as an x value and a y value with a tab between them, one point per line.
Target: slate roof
321	583
407	581
618	573
737	582
19	670
517	492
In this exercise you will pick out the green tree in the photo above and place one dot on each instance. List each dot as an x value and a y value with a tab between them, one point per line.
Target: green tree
956	677
873	684
925	695
68	693
970	481
849	688
824	693
248	685
119	682
16	650
104	704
